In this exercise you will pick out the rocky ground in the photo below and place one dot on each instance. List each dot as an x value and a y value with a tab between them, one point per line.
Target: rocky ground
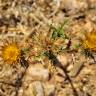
50	34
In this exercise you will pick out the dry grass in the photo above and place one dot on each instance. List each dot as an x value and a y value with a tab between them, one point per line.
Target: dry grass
45	30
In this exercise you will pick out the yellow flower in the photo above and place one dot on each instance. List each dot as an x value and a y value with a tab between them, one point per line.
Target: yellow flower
90	41
11	53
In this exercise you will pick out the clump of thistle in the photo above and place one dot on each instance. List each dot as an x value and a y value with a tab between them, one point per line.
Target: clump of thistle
11	53
59	37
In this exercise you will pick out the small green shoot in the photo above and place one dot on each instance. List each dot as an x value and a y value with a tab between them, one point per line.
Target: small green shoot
59	31
77	46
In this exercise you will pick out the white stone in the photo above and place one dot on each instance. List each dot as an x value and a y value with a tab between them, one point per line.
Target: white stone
49	89
37	73
64	59
34	89
39	88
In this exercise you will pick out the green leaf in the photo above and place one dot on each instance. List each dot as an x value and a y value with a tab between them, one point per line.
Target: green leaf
59	32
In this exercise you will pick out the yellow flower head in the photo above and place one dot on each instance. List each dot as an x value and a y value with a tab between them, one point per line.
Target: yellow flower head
90	41
11	53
